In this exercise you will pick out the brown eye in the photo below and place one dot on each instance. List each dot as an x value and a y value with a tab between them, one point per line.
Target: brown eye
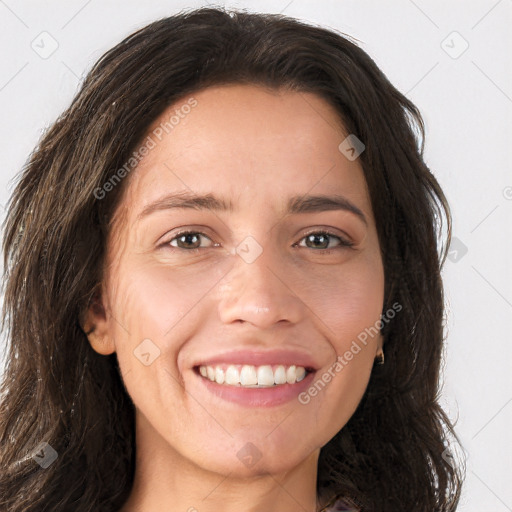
188	240
322	240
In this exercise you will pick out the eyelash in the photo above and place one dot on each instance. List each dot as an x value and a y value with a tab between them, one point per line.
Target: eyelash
343	243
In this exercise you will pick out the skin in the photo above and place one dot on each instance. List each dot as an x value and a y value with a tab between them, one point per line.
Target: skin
255	147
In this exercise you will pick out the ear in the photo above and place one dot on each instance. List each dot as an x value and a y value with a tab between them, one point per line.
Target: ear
95	326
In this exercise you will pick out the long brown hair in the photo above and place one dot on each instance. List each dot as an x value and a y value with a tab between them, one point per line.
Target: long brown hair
392	454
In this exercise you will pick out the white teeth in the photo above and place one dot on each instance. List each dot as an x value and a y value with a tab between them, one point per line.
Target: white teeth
232	375
219	375
280	375
248	375
265	376
301	373
253	376
291	374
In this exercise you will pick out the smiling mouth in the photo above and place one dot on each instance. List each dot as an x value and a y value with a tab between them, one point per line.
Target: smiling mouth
250	376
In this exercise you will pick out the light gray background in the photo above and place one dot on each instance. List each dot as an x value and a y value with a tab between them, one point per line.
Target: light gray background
465	96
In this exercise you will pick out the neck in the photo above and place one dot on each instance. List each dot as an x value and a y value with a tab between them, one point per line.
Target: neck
164	480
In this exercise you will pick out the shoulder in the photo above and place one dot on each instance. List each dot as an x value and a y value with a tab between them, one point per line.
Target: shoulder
340	506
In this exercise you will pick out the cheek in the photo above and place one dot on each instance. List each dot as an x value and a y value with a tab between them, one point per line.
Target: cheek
347	305
347	299
150	300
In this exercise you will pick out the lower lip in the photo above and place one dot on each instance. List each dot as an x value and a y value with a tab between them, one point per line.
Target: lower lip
258	397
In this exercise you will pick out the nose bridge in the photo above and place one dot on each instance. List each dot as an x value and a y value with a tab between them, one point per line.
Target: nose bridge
256	289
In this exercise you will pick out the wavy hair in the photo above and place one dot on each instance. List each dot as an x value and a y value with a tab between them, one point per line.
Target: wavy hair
392	453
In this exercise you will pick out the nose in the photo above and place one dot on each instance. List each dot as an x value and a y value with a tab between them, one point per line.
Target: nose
260	292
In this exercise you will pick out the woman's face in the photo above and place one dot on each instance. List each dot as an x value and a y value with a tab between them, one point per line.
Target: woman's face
255	288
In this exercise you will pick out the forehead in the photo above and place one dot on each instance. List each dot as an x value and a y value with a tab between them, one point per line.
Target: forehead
247	143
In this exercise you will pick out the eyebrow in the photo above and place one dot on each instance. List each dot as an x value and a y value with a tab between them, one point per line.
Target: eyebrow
296	204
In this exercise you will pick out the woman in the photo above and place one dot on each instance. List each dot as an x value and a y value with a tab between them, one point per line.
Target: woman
223	284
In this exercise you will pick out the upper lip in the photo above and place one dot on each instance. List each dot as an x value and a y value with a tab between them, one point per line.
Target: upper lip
255	357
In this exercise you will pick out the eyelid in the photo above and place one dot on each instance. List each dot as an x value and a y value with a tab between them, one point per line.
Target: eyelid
329	231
